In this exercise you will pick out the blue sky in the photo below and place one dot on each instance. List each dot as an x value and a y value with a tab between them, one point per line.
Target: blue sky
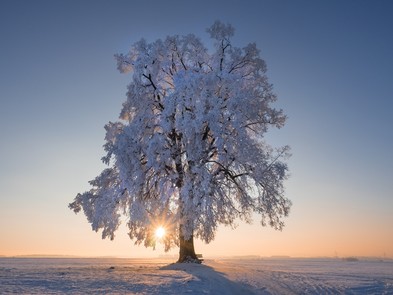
331	65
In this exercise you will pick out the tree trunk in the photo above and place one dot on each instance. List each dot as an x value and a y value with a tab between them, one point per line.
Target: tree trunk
187	251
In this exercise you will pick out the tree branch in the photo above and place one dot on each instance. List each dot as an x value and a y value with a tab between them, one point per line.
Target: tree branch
150	80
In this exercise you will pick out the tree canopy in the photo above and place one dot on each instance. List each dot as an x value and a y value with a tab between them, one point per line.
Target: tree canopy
189	151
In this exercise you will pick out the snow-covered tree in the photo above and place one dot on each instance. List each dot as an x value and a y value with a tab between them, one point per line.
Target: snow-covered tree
189	152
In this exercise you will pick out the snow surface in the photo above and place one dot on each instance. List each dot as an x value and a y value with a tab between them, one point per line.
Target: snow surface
220	276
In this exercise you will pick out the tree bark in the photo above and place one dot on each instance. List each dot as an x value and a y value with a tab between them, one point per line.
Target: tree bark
187	251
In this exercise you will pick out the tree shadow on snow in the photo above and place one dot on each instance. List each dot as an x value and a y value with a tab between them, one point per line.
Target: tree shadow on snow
206	280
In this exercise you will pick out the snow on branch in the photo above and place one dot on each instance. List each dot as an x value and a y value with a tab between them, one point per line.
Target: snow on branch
189	147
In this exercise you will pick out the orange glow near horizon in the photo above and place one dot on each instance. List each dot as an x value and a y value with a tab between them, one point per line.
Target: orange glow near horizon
298	239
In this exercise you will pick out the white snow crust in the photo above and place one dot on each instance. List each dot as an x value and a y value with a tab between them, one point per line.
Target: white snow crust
220	276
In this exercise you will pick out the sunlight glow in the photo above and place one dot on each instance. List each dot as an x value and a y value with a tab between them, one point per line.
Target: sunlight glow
160	232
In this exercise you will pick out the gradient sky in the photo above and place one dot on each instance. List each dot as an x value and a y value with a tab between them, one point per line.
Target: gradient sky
331	63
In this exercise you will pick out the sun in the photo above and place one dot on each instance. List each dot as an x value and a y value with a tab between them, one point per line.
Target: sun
160	232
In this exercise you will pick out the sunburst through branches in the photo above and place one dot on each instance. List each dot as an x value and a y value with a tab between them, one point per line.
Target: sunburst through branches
160	232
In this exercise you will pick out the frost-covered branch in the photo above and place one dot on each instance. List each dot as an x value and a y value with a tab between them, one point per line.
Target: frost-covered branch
188	151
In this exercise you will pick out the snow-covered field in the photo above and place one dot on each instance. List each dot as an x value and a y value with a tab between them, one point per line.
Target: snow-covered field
219	276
